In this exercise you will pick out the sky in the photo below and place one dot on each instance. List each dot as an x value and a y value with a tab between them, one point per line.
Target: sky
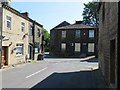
50	14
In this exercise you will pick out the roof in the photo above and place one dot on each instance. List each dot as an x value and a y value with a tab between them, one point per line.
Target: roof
64	23
20	14
75	26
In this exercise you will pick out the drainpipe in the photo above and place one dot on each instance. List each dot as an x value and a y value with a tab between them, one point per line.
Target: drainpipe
43	42
33	40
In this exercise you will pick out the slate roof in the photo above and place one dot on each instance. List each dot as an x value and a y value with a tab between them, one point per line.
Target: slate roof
75	26
64	23
20	14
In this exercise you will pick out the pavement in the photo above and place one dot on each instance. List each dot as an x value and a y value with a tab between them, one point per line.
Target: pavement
55	73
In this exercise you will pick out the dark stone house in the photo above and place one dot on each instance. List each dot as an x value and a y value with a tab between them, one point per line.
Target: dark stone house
76	40
109	42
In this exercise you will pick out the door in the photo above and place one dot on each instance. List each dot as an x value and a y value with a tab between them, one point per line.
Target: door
29	52
112	62
70	49
4	56
84	49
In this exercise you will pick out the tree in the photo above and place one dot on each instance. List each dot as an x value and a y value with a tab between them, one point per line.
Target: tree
90	14
46	40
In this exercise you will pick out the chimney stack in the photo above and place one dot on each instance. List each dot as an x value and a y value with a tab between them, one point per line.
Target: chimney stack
78	22
25	14
6	2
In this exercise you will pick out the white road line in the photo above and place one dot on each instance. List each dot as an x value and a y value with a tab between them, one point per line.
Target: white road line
36	73
89	66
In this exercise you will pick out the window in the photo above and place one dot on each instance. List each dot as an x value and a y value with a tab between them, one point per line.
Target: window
31	30
77	47
22	27
77	34
63	34
19	49
63	46
91	47
38	32
36	50
36	46
91	34
8	22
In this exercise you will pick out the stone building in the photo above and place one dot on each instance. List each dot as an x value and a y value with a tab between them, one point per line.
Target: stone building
109	42
0	44
37	40
76	40
20	33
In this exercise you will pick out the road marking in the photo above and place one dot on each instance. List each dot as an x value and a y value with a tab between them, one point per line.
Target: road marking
90	66
36	73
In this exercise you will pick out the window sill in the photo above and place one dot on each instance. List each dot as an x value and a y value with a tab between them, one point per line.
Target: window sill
91	37
19	55
8	28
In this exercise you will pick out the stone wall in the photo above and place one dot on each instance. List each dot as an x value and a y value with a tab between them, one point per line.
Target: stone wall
15	36
0	35
56	41
38	39
108	27
118	57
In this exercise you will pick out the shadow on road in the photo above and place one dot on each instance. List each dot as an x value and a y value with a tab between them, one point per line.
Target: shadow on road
92	60
82	79
47	55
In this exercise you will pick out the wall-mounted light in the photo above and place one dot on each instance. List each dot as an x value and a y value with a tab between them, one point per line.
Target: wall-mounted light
72	44
84	33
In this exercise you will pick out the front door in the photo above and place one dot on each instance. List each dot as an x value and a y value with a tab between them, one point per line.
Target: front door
4	56
84	49
29	52
112	62
70	49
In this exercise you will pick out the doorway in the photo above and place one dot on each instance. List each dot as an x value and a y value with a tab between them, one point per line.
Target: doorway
112	62
30	49
4	55
84	49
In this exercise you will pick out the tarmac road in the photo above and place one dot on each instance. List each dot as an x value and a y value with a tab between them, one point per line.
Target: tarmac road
52	73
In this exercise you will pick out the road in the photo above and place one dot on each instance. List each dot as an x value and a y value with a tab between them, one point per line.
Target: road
52	73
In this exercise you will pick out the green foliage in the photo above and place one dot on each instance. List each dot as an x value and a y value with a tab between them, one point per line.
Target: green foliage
90	14
46	41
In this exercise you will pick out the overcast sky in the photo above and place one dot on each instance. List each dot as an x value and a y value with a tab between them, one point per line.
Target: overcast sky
50	14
